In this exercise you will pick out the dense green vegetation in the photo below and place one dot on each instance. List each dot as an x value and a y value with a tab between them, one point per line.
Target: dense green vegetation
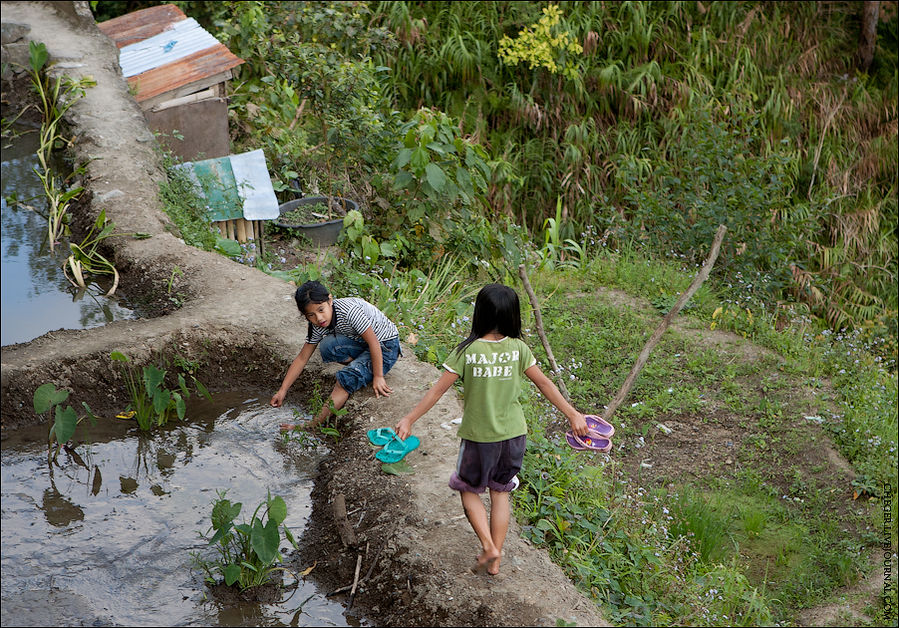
646	124
604	143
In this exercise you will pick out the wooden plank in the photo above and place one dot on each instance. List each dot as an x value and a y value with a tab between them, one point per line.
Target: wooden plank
241	226
207	94
203	128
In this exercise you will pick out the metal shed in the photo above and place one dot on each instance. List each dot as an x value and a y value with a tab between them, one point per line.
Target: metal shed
238	193
178	73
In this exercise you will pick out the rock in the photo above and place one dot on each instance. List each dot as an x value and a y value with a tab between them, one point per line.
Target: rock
15	56
11	32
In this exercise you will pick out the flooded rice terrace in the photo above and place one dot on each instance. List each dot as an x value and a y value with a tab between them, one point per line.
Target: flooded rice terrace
106	536
36	296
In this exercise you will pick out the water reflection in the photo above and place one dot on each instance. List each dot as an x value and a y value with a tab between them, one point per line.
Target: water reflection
58	510
36	296
77	549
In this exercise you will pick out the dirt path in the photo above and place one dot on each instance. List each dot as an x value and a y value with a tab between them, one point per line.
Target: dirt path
243	326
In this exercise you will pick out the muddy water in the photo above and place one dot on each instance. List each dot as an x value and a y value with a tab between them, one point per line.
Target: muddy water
36	296
106	537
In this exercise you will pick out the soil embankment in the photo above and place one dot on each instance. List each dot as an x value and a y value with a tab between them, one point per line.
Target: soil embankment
242	327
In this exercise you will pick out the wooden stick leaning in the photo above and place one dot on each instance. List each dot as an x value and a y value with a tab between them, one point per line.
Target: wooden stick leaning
355	580
657	334
538	318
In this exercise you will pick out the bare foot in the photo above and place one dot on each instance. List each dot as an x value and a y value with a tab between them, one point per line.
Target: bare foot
488	562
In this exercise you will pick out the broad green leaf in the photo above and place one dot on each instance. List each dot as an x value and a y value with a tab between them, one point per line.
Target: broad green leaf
402	158
183	386
119	357
221	533
279	274
439	148
153	378
410	140
402	179
464	180
231	248
38	55
161	399
47	396
388	249
202	389
277	510
264	540
223	513
232	574
420	158
180	406
436	177
397	468
64	427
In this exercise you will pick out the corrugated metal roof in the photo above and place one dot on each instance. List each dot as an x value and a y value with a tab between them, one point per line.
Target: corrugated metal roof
183	39
140	25
162	50
236	186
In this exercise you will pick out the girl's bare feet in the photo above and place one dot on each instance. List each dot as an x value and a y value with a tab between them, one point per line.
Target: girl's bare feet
488	562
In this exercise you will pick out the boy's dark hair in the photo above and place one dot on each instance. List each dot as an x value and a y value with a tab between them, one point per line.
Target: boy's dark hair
496	308
312	293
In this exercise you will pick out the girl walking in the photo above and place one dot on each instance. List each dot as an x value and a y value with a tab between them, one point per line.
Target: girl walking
351	331
491	363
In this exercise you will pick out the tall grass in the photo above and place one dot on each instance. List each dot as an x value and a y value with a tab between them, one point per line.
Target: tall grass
784	72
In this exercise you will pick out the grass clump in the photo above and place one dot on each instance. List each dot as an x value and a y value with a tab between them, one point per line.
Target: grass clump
185	206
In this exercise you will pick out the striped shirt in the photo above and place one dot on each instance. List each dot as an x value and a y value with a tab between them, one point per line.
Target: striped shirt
353	316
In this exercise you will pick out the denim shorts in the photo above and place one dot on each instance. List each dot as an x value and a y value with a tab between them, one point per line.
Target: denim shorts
358	373
488	465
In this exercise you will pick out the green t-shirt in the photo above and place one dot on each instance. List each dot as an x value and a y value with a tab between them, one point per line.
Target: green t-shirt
491	373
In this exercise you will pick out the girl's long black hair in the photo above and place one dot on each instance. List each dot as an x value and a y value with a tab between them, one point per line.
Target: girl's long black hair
496	308
312	293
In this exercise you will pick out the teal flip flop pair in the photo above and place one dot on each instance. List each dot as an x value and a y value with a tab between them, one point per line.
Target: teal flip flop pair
395	448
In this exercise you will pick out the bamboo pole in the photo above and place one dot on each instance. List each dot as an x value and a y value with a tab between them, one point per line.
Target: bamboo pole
260	231
539	322
657	334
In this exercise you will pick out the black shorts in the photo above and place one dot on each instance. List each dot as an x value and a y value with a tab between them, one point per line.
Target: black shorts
488	465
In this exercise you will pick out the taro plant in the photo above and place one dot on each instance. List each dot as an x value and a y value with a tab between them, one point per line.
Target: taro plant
56	97
86	259
151	402
248	553
65	421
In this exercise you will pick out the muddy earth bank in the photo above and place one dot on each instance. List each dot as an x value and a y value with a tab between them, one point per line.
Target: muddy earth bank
242	329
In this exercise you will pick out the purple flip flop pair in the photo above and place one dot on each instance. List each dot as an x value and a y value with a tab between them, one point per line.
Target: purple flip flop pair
598	438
